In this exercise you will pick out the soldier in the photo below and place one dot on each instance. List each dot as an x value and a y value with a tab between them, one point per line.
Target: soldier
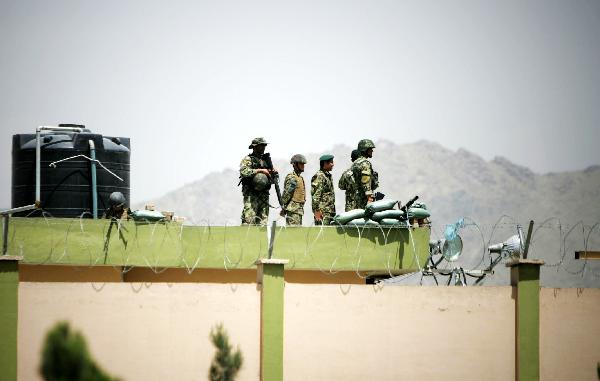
366	179
255	180
322	192
294	192
346	183
116	208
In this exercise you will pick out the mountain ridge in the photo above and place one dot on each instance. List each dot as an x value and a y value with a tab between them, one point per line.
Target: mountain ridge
451	183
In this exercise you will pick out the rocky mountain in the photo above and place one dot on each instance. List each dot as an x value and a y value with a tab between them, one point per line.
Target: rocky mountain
453	184
492	196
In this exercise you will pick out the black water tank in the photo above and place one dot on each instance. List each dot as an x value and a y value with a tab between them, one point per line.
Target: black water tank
66	191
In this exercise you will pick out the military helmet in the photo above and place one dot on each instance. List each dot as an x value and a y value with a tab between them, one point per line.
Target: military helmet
257	142
260	182
365	144
116	199
354	155
298	158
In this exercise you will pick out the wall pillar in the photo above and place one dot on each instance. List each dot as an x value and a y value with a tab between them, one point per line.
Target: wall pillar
525	276
9	299
271	283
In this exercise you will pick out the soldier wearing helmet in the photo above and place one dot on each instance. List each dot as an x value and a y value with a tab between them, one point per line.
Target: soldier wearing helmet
365	178
322	192
116	206
294	192
256	182
347	183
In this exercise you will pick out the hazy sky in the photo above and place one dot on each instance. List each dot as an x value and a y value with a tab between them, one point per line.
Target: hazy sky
191	83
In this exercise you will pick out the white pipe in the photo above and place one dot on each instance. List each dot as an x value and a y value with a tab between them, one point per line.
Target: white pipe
38	156
16	210
93	175
38	152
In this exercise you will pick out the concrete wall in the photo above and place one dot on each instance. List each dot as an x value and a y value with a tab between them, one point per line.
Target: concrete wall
408	333
159	331
142	331
569	333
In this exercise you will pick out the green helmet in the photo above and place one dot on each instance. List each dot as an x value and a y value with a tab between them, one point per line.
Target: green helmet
298	158
116	199
257	141
261	182
365	144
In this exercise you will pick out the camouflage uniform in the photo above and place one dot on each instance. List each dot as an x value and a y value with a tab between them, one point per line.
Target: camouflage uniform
294	197
256	203
346	183
365	178
323	196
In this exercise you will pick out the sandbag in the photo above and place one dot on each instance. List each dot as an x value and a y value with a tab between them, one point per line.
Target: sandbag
362	222
418	213
393	222
419	204
378	206
392	213
147	215
345	217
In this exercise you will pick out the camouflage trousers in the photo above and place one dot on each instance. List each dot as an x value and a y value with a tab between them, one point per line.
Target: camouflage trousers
360	202
327	218
293	219
350	201
256	209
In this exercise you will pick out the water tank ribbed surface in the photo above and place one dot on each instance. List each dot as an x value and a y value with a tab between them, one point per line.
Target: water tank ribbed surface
66	191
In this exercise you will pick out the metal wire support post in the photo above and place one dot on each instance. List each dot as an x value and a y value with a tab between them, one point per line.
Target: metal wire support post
272	239
528	240
4	234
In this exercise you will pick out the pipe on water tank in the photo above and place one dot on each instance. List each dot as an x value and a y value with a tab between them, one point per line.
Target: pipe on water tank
94	184
38	157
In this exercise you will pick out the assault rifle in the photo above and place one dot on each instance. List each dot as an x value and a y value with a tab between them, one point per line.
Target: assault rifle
274	178
405	208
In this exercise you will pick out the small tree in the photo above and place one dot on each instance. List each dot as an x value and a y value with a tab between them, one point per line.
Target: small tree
65	356
225	365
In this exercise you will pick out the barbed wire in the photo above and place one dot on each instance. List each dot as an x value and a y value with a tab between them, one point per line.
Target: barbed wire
553	249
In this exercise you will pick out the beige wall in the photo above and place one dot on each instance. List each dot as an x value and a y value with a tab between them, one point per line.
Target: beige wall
159	331
569	333
410	333
142	331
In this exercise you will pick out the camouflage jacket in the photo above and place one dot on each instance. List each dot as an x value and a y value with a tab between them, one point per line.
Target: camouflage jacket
294	193
322	192
347	183
365	178
248	168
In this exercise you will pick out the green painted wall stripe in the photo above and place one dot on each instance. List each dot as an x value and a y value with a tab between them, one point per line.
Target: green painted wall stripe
83	242
528	322
272	322
9	285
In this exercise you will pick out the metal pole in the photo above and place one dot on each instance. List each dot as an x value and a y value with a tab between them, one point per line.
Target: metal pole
272	239
4	234
94	184
38	155
528	240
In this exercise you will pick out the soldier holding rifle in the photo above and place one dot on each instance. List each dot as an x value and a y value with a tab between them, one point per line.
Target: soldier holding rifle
256	176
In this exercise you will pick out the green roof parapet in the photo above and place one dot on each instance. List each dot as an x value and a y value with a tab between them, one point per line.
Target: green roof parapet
87	242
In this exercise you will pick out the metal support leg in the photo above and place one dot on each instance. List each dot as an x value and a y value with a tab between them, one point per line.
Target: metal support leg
4	234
